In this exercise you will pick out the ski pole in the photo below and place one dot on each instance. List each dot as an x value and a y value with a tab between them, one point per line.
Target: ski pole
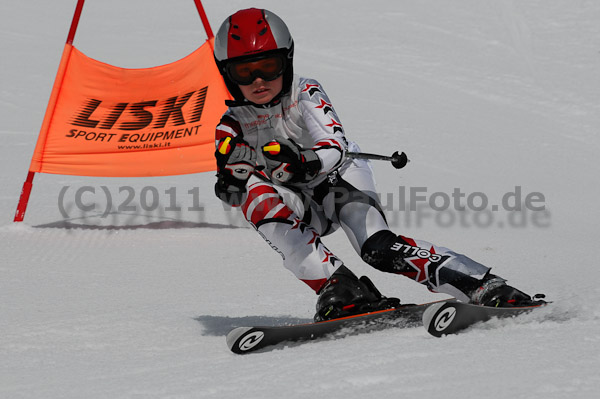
398	160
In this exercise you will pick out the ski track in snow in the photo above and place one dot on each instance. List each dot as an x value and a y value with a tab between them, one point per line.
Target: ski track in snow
482	95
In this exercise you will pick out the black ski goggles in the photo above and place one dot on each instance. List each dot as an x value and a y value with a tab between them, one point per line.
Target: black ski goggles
245	72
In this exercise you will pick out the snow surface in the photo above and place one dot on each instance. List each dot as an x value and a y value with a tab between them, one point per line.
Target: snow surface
482	95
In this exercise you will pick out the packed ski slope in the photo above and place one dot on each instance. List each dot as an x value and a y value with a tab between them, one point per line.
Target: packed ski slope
485	96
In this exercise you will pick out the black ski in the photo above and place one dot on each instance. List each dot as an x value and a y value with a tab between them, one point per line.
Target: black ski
452	317
249	339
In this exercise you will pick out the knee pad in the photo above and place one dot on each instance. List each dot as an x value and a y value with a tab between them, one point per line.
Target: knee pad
377	251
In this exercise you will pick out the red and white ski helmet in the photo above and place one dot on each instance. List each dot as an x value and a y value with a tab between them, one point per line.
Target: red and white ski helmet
253	34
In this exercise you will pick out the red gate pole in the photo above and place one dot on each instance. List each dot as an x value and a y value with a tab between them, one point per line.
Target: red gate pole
75	21
28	185
209	32
24	199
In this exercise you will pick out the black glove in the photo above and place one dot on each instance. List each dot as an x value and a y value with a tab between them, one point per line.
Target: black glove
289	163
236	161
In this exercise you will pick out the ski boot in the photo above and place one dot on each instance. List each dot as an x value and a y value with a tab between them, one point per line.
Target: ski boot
345	295
493	291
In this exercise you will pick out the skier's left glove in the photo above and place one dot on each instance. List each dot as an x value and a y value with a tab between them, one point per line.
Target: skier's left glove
287	162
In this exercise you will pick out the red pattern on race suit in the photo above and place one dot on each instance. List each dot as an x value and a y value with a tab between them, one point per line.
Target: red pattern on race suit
299	244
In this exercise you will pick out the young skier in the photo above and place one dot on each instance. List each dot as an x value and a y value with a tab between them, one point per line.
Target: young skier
281	158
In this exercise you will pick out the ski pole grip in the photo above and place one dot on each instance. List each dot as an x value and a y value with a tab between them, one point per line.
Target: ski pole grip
273	148
224	146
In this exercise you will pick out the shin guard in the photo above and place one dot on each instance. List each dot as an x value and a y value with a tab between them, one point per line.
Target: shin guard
439	268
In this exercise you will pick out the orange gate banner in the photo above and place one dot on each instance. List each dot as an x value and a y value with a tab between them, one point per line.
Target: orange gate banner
108	121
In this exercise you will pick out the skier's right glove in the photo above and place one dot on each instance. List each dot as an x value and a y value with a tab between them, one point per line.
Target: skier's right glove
235	163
